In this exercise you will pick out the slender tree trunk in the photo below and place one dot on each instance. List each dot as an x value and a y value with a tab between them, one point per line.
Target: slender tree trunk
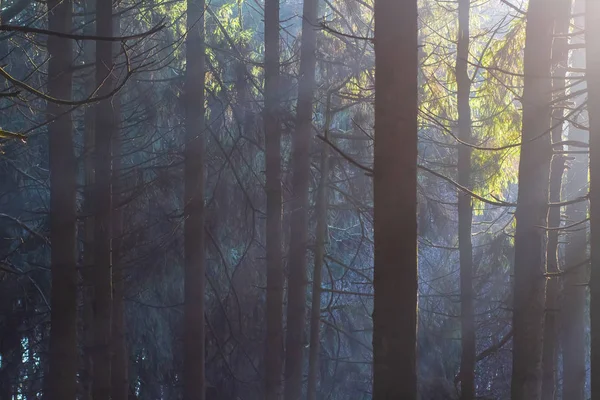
576	253
193	358
61	381
102	270
532	209
395	201
89	48
88	258
320	243
465	207
119	370
575	276
301	140
562	15
274	339
592	39
120	359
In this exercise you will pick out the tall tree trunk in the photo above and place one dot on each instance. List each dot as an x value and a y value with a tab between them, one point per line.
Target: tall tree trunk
320	243
532	210
193	357
274	339
120	359
465	207
102	270
592	39
562	16
395	201
61	381
301	141
574	292
87	295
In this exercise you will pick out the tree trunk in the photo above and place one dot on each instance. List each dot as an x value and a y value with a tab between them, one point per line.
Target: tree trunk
87	295
193	357
395	201
576	253
465	207
320	243
102	270
575	276
120	359
301	141
274	339
561	14
61	381
592	39
532	210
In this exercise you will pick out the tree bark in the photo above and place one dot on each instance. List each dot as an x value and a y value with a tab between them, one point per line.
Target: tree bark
532	209
592	40
274	339
395	201
576	253
194	342
301	141
320	243
120	359
561	10
89	48
465	207
60	383
102	270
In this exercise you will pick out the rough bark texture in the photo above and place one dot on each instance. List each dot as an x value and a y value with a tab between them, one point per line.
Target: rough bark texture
395	201
320	243
62	369
561	14
592	38
576	252
301	140
193	358
465	207
274	339
102	270
532	209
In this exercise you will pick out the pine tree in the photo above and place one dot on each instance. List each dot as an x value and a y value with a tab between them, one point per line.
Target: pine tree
60	382
272	126
193	234
465	208
395	201
592	42
301	143
532	207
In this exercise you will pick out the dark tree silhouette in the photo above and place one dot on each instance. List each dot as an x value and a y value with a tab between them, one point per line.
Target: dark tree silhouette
272	128
60	383
395	201
193	206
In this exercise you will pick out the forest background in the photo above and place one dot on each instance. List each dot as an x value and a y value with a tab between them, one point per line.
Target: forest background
186	190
